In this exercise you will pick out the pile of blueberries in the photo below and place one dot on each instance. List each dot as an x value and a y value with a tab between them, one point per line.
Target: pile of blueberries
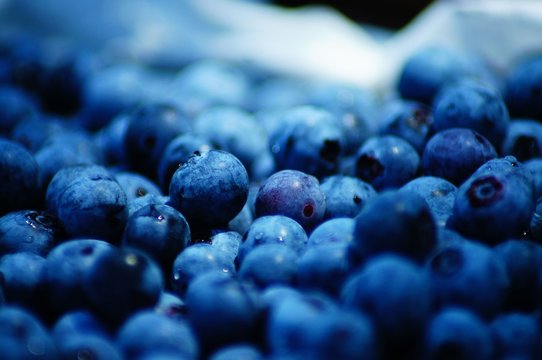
217	210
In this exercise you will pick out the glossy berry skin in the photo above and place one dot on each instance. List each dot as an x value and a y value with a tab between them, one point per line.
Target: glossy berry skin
29	231
398	222
20	276
457	333
89	202
523	261
437	192
332	231
64	270
273	229
474	106
324	268
232	305
399	312
309	139
454	154
209	189
227	242
177	153
516	335
294	194
172	335
196	260
136	185
19	176
233	130
151	126
345	195
427	70
470	275
410	120
386	162
122	282
23	336
535	167
523	88
269	264
496	203
160	231
523	139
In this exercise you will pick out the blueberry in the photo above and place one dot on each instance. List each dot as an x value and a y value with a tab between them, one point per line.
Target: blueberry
516	335
343	335
535	167
147	332
456	333
454	154
273	229
142	201
23	336
151	126
206	83
355	109
439	194
158	230
523	91
470	275
121	282
79	322
324	268
292	193
428	69
277	93
136	185
291	319
345	195
110	91
19	177
397	222
337	230
235	352
196	260
234	130
523	139
495	203
395	293
177	153
474	106
209	189
386	162
20	279
16	105
269	264
29	231
110	139
308	139
64	270
410	120
88	346
33	132
523	261
89	202
221	310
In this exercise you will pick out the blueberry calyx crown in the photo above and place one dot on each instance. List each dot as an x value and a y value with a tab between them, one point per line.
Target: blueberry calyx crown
485	191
